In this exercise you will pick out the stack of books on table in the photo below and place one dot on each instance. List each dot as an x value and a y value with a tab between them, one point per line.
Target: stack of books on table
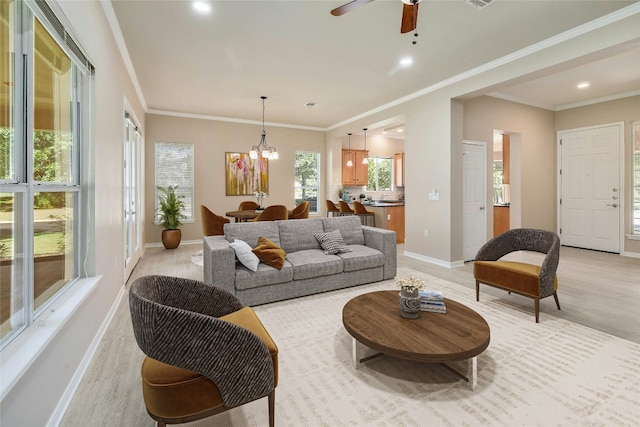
432	301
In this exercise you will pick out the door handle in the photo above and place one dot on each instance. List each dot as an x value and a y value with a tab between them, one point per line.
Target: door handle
613	205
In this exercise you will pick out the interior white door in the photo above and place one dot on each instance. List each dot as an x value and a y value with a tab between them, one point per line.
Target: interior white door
474	158
590	188
132	199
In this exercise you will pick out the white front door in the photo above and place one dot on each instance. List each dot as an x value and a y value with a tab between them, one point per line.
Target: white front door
474	158
590	195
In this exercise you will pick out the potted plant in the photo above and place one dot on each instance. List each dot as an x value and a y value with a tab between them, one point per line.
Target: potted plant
169	215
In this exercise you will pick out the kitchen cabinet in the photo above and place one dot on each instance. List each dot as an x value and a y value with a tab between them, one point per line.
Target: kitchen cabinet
506	159
398	169
358	174
391	217
500	219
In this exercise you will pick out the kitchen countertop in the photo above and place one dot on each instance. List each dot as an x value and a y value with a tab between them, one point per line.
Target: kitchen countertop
384	204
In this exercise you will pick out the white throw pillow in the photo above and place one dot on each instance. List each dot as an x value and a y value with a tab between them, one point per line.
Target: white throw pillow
244	254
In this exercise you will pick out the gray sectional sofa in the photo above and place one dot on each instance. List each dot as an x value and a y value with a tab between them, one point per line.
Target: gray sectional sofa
307	270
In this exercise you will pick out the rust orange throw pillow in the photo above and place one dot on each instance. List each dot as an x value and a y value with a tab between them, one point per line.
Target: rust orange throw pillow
270	253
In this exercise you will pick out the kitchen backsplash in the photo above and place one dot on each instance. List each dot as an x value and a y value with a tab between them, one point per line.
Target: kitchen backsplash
355	192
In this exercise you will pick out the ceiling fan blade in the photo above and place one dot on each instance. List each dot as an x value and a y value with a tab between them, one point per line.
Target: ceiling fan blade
409	17
349	7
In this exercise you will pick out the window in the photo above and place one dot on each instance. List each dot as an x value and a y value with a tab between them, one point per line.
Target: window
498	187
174	166
380	173
307	185
43	121
636	176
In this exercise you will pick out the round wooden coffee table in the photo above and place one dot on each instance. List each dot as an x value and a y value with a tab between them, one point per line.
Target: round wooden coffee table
373	319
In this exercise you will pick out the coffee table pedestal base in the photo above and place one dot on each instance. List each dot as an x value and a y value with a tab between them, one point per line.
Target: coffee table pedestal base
358	359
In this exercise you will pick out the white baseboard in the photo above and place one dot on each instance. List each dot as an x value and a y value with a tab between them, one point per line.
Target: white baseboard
67	396
436	261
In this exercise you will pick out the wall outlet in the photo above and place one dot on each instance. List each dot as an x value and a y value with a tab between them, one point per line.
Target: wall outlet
426	233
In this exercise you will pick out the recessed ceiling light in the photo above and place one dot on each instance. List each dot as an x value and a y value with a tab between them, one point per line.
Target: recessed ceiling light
406	61
583	85
202	7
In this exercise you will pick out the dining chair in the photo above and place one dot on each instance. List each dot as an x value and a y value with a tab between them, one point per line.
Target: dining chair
273	213
300	212
363	213
205	352
332	208
248	205
344	208
212	224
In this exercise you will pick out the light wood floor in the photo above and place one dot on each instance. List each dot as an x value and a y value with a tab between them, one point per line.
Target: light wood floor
598	290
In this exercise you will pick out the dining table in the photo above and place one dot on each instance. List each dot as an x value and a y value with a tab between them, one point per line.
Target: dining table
243	216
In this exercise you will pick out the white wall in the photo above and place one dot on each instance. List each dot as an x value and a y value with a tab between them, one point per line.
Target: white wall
34	397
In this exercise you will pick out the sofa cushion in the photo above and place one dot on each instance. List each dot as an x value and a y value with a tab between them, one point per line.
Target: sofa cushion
298	235
245	255
350	227
332	242
361	257
269	253
266	275
251	231
312	263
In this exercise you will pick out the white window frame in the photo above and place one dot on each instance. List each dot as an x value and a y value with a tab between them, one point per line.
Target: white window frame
635	179
184	178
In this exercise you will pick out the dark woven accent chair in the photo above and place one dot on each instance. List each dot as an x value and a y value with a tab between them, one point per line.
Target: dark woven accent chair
248	205
273	213
332	208
206	353
212	224
363	213
300	212
526	279
344	208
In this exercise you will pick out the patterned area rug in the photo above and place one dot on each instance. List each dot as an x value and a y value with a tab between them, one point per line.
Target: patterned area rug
548	374
197	258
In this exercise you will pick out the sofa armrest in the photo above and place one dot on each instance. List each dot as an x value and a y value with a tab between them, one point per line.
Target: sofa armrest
219	263
384	241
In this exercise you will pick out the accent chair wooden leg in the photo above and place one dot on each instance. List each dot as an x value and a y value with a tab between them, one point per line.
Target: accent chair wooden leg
272	408
537	310
477	291
555	296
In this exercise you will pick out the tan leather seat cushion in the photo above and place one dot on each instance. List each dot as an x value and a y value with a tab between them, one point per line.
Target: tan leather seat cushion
172	392
516	276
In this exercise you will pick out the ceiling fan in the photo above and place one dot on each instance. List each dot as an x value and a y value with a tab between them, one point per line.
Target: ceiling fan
409	12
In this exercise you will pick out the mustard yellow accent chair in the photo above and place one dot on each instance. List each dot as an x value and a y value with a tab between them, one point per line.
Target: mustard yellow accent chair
212	224
363	213
300	212
332	208
533	281
344	208
273	213
205	352
248	205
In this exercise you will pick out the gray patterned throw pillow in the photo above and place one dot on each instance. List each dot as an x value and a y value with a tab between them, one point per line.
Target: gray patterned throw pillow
332	242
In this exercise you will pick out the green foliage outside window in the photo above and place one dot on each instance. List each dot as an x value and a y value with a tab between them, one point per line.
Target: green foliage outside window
380	173
306	179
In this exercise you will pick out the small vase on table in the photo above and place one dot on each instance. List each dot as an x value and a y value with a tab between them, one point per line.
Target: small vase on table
409	302
409	297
